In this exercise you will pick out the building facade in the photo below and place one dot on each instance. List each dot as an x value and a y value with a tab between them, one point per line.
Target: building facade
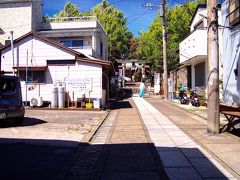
19	16
43	64
54	53
231	53
193	49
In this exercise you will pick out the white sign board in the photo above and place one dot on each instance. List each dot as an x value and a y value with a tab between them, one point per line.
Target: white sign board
156	78
79	84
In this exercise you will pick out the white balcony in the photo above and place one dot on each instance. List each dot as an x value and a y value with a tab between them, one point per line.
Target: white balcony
194	45
70	23
87	50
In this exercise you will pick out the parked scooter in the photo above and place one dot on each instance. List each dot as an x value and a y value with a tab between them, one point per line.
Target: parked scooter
194	98
183	97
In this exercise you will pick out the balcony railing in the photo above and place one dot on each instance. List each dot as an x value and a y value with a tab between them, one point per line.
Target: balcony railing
62	19
81	47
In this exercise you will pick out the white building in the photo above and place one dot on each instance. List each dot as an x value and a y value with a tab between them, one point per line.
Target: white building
53	51
83	34
231	53
193	49
50	64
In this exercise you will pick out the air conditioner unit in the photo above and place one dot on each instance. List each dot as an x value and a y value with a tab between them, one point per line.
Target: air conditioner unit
36	101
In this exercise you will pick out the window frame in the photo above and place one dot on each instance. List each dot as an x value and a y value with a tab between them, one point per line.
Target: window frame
72	42
31	77
234	10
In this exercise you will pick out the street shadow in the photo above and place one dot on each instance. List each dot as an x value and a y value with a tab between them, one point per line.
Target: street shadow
35	159
120	105
27	121
60	159
232	128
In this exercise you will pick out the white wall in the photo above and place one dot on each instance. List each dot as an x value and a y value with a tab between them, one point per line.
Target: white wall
200	14
16	17
38	52
70	25
19	17
231	59
41	52
194	45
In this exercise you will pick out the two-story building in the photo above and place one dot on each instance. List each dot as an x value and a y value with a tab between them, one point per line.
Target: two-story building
193	49
70	52
231	53
83	34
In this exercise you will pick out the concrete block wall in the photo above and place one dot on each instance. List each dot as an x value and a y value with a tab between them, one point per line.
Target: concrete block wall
20	17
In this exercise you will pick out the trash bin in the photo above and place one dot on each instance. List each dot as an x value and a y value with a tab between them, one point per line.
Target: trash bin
96	103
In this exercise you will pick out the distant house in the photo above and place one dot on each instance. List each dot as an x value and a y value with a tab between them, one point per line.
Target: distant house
43	64
231	53
193	49
127	68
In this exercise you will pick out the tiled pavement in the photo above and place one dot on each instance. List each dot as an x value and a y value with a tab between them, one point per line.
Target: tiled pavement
181	156
139	141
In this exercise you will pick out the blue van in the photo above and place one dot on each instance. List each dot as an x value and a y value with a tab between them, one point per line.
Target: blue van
11	104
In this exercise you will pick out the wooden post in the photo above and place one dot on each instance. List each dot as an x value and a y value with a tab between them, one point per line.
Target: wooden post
213	68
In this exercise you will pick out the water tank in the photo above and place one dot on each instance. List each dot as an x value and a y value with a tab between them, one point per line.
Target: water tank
54	99
61	97
96	103
40	101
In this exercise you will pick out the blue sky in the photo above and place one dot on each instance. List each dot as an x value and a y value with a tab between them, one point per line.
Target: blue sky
139	17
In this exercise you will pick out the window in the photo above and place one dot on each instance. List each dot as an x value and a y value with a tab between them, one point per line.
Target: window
234	12
101	49
72	43
7	86
200	74
61	62
32	76
199	25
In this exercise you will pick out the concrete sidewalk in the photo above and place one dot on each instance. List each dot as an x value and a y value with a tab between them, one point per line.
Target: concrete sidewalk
187	151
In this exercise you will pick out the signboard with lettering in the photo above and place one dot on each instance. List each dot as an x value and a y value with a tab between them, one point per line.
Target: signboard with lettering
79	84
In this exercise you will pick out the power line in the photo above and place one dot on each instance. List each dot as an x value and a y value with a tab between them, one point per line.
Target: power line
139	16
117	2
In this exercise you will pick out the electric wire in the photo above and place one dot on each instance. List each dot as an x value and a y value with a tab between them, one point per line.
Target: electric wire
139	16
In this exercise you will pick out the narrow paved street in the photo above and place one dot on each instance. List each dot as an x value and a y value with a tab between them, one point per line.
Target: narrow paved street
141	138
122	149
138	141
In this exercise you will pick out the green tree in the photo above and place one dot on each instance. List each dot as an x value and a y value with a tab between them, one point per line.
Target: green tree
178	26
133	48
70	10
114	23
150	45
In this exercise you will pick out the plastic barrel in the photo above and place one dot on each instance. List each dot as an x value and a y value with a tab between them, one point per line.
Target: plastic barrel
54	99
61	97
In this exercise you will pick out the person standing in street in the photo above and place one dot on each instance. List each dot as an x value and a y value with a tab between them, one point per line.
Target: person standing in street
142	87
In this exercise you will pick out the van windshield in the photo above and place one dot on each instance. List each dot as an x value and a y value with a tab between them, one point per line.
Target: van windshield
7	85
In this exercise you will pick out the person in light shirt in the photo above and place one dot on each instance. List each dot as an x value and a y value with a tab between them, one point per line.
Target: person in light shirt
142	87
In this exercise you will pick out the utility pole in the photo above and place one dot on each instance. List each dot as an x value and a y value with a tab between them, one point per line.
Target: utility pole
164	34
213	68
12	48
